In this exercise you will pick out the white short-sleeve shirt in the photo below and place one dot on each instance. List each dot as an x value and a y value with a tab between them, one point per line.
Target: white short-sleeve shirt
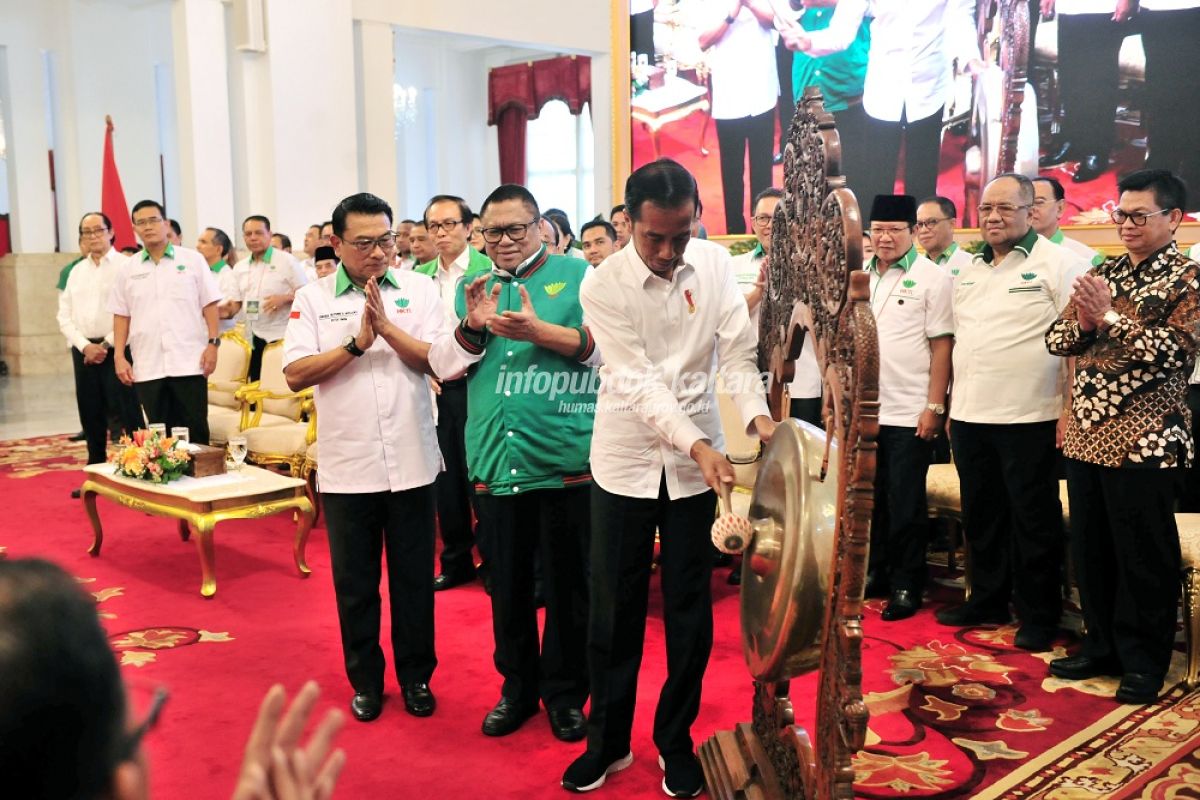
913	303
1003	373
276	273
165	304
375	416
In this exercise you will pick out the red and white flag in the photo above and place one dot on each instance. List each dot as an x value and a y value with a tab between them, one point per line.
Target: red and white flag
112	196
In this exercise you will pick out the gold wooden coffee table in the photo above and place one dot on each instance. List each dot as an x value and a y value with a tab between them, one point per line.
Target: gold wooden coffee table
200	503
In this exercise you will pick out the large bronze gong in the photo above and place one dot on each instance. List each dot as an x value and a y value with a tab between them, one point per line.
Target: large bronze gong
804	567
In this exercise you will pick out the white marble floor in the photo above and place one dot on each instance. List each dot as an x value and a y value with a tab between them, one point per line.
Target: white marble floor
37	405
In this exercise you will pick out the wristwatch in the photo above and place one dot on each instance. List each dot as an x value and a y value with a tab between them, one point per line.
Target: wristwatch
1111	318
936	408
215	341
351	347
729	20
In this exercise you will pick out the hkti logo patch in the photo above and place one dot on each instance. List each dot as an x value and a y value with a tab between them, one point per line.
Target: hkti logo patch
181	267
553	289
1028	276
402	304
909	283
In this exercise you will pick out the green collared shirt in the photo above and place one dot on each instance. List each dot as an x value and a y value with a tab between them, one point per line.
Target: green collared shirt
217	267
839	76
945	256
1058	237
168	253
342	282
266	256
904	263
1025	246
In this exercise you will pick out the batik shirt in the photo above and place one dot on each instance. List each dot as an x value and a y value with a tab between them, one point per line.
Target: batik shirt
1129	395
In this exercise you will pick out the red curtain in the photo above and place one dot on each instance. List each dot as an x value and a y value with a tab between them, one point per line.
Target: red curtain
516	94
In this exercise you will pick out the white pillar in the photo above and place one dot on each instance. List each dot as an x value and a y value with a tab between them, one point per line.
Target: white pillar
375	75
203	124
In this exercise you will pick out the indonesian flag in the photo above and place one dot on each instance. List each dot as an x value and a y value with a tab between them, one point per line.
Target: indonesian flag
112	196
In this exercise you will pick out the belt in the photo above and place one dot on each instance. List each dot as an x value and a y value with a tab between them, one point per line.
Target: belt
457	383
97	340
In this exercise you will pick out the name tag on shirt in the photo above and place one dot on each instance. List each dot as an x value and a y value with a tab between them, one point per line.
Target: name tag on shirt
251	309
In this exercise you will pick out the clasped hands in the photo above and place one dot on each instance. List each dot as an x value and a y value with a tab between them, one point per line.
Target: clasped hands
482	305
1092	299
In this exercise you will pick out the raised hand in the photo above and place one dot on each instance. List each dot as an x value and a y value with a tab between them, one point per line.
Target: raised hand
522	325
481	304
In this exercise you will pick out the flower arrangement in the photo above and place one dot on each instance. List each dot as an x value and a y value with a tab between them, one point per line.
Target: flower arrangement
149	457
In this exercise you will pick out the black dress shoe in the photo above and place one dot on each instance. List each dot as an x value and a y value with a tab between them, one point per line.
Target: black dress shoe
506	717
418	699
567	724
75	493
735	576
79	437
444	581
1035	638
1138	688
1090	167
366	706
901	605
1057	154
1080	668
970	614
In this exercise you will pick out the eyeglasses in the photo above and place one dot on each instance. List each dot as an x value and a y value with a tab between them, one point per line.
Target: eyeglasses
134	738
1138	218
514	232
1003	209
448	226
925	224
764	219
93	231
888	231
386	243
147	221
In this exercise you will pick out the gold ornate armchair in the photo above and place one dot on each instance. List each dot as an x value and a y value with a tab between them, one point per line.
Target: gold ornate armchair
279	424
228	380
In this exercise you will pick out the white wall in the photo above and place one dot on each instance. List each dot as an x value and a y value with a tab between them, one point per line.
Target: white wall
291	143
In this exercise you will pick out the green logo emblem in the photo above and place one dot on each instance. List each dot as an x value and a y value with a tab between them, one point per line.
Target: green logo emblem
402	302
954	271
1028	276
181	267
909	283
553	289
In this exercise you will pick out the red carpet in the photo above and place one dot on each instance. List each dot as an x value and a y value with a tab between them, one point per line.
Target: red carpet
954	715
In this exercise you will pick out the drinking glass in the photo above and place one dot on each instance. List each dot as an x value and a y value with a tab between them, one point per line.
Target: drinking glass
237	451
180	434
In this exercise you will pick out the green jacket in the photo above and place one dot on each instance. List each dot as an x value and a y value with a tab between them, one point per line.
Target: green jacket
529	409
66	273
477	263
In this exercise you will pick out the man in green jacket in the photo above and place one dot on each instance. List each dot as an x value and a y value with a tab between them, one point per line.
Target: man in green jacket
448	220
531	397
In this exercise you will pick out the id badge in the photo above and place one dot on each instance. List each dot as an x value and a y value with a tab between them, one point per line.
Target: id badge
251	309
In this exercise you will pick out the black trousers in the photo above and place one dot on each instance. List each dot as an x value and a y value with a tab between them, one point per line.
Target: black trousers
362	528
1089	47
852	133
1012	517
622	547
177	401
922	141
807	409
734	137
556	523
787	100
1172	94
641	35
454	491
899	522
99	396
1125	550
257	346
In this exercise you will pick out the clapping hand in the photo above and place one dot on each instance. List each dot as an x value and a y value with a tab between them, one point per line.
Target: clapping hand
379	317
1092	300
523	325
481	304
276	766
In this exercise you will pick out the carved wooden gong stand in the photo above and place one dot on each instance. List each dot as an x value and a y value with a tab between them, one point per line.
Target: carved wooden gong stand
816	288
